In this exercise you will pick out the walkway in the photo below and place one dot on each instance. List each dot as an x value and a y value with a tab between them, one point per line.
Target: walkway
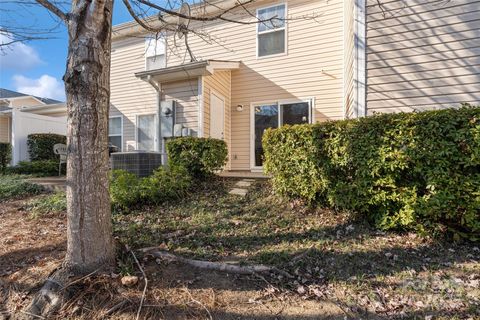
241	187
50	183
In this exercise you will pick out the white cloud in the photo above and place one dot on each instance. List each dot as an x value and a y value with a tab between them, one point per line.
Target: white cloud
46	86
18	55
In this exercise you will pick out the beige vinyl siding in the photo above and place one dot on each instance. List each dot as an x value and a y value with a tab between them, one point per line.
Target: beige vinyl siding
185	93
129	95
4	129
220	83
422	55
349	57
313	66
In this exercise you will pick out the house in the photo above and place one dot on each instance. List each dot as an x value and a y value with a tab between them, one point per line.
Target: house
22	114
321	60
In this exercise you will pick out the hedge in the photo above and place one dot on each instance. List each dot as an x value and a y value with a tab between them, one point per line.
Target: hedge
403	171
5	155
42	168
166	183
200	156
40	145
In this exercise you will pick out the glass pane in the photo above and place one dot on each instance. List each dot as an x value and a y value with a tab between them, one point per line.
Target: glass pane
156	62
116	141
295	113
275	14
271	43
265	117
146	132
154	47
115	125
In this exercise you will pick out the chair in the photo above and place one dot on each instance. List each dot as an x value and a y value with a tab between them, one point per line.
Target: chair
61	150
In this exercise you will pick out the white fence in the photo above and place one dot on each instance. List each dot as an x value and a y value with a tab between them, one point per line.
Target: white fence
24	123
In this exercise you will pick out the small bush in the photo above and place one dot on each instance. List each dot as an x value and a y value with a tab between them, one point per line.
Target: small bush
5	155
40	145
128	191
13	186
48	204
403	171
41	168
125	189
166	184
200	156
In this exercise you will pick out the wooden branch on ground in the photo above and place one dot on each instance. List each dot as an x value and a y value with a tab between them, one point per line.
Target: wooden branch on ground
217	266
144	278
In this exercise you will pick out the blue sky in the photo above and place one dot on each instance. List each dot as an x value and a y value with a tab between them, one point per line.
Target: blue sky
36	67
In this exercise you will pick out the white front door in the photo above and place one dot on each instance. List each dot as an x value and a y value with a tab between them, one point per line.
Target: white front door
217	114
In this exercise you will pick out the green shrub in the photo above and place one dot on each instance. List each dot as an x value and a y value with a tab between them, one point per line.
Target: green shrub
40	145
166	184
13	186
43	168
128	191
5	155
125	189
47	204
403	171
200	156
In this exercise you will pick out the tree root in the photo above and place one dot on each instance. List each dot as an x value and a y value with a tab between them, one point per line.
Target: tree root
52	295
217	266
49	299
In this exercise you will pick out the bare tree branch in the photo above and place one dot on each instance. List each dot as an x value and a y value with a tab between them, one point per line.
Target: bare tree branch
53	9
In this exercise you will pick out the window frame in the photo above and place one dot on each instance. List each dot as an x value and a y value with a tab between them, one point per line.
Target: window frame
155	124
147	42
311	119
121	131
284	28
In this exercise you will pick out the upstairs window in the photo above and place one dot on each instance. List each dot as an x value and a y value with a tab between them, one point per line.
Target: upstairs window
155	57
271	33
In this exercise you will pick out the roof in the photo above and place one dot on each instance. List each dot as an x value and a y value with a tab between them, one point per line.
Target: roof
5	94
207	8
188	70
9	94
5	109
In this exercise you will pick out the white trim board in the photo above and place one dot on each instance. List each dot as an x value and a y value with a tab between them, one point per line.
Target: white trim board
359	69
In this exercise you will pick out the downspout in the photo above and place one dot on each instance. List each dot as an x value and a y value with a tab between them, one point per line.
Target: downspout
159	145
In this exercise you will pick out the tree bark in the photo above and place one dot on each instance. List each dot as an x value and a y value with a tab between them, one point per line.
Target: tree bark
90	245
87	83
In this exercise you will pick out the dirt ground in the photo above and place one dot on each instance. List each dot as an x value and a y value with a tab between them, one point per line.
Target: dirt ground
30	249
362	273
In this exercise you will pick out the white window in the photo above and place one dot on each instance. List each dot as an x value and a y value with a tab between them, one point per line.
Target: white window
115	132
146	132
271	33
155	57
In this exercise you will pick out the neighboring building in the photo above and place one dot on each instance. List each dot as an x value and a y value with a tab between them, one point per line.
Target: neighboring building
310	67
22	114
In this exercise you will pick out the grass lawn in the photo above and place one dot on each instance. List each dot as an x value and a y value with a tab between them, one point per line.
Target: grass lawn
342	267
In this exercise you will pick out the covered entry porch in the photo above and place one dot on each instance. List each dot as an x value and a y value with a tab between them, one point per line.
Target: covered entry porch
205	105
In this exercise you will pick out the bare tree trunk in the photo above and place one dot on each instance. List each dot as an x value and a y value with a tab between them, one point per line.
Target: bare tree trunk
90	245
87	84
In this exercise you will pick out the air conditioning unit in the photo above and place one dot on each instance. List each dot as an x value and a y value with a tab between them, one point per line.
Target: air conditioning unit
140	163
